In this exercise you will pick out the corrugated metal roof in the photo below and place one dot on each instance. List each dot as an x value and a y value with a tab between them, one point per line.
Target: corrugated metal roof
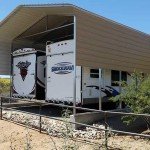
64	5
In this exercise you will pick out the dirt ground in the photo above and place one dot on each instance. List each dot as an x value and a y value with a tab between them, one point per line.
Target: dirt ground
16	137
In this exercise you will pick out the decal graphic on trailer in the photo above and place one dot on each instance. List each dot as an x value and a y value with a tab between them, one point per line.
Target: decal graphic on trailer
24	71
23	66
63	68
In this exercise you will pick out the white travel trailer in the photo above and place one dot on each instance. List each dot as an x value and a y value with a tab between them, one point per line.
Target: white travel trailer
28	73
60	77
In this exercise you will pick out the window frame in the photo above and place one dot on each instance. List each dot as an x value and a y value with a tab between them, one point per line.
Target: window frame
94	73
117	76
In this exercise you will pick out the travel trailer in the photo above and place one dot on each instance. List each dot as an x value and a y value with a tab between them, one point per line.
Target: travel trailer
28	73
60	77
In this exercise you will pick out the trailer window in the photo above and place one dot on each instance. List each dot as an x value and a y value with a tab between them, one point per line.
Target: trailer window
124	76
94	73
115	76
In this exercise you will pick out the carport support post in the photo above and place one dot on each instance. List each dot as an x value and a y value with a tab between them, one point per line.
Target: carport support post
120	87
1	109
100	85
40	118
74	80
11	70
106	134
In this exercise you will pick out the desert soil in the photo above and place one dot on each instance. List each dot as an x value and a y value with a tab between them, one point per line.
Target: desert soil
14	137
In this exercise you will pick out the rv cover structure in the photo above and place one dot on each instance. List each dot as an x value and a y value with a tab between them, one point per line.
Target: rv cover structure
100	42
28	73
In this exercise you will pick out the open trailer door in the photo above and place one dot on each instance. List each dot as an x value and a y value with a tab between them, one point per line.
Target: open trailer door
60	73
29	73
24	75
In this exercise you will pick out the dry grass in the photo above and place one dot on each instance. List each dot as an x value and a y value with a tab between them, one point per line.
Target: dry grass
14	137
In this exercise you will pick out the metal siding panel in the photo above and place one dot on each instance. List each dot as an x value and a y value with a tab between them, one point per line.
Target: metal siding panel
5	58
115	38
125	62
86	22
101	43
110	25
94	64
103	54
102	48
98	42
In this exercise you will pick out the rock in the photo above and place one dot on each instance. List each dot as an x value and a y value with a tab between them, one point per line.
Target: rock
55	127
9	115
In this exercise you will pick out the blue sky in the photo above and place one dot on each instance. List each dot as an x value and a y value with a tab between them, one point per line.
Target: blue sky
133	13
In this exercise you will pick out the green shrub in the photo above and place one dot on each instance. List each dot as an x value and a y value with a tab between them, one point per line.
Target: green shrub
4	85
136	96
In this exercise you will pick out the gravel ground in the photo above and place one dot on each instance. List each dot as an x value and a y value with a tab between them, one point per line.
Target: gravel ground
55	127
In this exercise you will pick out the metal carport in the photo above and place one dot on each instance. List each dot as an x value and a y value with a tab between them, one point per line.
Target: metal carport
100	42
